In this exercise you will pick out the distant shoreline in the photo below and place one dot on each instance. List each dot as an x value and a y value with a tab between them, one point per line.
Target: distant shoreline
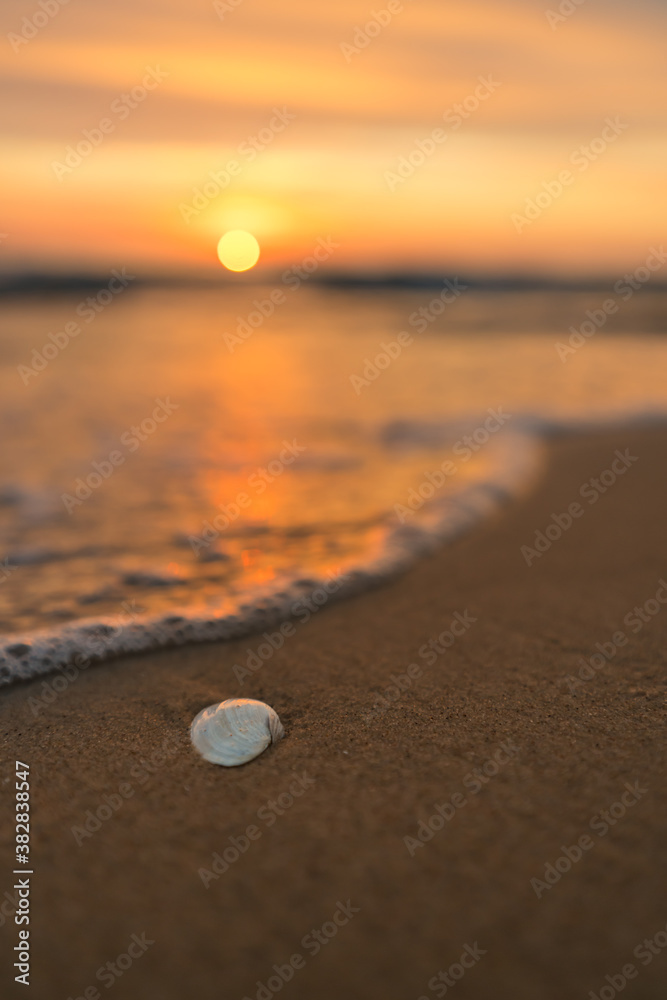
29	283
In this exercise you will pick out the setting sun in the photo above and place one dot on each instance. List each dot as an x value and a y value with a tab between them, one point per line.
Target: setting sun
238	250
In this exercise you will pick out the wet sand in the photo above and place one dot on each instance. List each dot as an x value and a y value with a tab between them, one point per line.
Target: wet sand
320	879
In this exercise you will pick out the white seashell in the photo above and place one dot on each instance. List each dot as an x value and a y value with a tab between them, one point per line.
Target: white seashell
235	731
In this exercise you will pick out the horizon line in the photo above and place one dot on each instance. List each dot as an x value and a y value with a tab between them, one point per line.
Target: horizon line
25	282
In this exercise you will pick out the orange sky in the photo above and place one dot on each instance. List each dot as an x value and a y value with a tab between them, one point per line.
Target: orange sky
328	165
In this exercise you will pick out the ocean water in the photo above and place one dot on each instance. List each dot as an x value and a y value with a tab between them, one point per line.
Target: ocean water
182	465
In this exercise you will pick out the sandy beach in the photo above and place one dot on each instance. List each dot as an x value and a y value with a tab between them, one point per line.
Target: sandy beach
486	819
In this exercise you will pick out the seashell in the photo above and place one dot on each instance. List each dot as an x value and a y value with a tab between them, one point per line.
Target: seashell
235	731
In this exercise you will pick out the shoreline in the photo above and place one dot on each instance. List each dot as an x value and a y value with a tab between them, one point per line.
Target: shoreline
485	758
75	646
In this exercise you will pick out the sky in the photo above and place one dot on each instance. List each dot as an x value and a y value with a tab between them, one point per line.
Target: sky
481	136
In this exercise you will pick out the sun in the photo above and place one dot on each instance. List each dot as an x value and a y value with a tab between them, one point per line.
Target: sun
238	250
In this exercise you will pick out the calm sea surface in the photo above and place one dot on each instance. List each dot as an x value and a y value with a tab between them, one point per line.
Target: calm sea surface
184	458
